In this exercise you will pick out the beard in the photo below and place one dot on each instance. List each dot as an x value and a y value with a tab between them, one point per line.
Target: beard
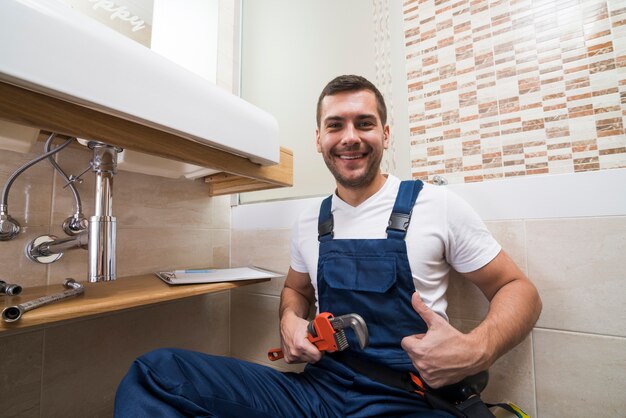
349	180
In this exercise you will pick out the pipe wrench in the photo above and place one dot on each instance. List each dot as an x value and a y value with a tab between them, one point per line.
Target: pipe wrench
327	332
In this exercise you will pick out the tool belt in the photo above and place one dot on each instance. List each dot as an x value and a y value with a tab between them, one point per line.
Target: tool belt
461	399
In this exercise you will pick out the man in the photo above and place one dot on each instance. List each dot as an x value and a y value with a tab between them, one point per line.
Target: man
380	248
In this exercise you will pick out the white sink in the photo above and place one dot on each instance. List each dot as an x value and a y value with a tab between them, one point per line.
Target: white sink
48	47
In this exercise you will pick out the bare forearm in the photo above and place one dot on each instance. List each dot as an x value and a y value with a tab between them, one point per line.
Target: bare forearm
513	312
514	307
297	296
294	302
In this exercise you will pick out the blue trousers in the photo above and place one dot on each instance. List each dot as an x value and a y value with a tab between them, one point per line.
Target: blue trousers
181	383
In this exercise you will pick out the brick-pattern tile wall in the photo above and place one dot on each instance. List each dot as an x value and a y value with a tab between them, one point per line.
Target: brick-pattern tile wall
515	87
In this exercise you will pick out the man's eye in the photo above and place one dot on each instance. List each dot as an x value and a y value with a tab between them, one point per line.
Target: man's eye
333	125
366	124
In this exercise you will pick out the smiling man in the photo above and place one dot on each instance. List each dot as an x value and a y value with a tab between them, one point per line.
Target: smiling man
352	142
380	248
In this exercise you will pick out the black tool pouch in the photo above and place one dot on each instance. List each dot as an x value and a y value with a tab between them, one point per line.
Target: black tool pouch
474	407
461	399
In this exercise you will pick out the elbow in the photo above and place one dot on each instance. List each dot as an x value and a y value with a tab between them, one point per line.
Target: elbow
537	303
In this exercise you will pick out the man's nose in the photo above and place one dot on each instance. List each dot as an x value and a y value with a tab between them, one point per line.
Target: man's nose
350	135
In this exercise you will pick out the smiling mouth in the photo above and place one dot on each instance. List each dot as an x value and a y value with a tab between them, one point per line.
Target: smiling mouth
352	156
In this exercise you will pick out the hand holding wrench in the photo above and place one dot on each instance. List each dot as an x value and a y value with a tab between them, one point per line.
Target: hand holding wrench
327	332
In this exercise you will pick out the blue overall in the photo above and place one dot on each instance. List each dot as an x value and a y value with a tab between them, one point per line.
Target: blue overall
371	277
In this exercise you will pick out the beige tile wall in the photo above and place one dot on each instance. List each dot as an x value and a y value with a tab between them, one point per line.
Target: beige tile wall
510	88
579	268
22	366
72	370
254	311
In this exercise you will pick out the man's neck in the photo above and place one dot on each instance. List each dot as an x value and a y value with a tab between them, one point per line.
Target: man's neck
355	196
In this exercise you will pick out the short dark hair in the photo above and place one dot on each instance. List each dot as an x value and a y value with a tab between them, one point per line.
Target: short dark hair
352	83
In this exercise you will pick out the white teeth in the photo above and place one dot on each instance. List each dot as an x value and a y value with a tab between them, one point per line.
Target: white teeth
350	157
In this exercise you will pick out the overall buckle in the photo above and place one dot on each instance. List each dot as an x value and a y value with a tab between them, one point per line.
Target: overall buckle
399	222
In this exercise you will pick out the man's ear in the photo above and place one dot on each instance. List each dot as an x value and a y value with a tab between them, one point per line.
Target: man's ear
386	137
317	140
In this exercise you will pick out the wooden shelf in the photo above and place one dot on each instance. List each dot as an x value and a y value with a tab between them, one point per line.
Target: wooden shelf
23	106
105	297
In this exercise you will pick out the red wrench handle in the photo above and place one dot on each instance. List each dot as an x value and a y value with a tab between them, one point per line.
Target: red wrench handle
275	353
320	332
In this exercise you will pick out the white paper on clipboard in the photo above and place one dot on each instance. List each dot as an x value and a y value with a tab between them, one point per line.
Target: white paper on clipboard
196	276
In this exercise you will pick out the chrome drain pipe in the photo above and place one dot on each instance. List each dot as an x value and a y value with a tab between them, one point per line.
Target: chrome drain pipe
13	313
99	240
102	226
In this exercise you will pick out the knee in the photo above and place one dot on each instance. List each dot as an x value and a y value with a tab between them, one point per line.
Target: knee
159	355
172	362
151	362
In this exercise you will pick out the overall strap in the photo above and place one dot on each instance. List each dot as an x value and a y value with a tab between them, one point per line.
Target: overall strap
402	208
325	223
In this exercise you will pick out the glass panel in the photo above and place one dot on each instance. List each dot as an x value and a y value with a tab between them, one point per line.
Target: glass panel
290	50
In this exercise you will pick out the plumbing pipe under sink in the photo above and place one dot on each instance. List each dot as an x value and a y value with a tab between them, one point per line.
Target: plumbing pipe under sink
100	238
102	226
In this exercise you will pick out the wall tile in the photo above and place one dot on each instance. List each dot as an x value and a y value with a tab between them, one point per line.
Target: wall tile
85	360
165	202
512	238
20	380
254	329
220	248
262	248
16	267
220	212
579	268
148	250
523	72
465	300
579	375
29	197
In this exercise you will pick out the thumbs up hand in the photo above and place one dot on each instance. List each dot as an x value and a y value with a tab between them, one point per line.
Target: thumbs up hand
443	355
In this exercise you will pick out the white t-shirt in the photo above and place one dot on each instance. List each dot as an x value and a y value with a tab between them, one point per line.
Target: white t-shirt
444	232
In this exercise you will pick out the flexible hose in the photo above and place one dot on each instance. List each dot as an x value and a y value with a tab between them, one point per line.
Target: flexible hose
9	182
79	206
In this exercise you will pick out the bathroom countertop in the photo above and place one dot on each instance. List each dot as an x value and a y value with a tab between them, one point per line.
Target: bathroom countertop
105	297
236	173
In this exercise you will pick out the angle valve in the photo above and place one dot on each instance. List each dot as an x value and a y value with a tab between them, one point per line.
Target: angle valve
10	289
9	227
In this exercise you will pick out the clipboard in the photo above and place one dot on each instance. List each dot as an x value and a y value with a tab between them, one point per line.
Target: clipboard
197	276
